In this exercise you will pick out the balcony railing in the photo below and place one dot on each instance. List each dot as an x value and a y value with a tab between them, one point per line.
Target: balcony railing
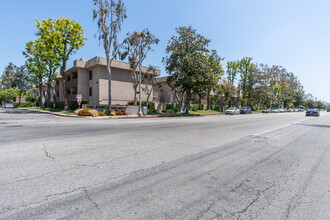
71	83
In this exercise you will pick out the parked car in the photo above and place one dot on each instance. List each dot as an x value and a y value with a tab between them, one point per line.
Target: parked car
312	112
328	110
275	110
301	110
245	110
281	110
8	105
266	110
232	111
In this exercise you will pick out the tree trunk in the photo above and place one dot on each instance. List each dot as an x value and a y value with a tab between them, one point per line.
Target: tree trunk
147	101
62	71
40	95
109	80
188	102
208	101
200	102
48	91
19	98
135	96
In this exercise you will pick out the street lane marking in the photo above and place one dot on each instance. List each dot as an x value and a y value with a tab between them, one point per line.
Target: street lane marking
272	130
264	132
240	123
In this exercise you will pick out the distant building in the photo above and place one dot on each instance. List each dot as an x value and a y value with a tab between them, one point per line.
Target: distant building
90	78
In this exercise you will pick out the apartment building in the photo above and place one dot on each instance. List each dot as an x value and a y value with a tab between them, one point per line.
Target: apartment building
90	78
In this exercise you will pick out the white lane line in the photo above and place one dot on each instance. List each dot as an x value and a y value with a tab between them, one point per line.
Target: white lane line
264	132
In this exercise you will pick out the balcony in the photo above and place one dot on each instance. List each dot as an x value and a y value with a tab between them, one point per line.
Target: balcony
71	83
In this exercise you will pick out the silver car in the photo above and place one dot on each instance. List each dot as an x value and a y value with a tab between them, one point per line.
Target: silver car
232	111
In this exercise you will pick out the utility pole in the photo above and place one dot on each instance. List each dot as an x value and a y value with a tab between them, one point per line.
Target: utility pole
140	108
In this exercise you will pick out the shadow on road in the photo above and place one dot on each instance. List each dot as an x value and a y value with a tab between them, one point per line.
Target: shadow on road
315	125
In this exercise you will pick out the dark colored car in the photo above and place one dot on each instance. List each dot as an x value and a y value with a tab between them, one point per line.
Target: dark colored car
245	110
328	110
312	112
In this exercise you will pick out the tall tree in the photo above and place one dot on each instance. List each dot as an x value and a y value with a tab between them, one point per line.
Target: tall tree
8	76
227	90
60	38
21	81
232	71
8	95
182	62
109	14
214	73
246	69
149	80
35	65
138	45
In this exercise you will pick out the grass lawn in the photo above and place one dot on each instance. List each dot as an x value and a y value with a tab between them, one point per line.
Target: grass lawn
50	109
205	112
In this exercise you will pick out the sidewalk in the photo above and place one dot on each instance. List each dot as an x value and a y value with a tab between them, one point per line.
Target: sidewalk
50	113
71	115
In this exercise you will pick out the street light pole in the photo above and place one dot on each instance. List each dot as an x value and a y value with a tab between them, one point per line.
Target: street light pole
140	108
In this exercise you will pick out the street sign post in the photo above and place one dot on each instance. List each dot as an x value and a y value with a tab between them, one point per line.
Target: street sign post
79	98
43	102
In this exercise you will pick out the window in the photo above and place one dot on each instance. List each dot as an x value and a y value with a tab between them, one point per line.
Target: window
90	74
68	78
74	75
90	91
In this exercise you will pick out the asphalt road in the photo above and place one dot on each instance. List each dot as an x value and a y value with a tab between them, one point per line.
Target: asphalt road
263	166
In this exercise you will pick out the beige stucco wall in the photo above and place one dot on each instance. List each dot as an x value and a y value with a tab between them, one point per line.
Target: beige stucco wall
83	80
121	84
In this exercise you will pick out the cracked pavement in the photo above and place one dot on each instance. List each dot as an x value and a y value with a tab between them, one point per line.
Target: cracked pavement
267	166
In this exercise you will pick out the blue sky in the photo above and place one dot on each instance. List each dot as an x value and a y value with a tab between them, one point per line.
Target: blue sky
291	33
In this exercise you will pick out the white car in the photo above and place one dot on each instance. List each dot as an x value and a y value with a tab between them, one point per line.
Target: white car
8	105
233	111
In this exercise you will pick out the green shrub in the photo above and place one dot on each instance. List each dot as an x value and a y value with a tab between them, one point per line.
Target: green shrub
24	104
151	105
193	107
101	113
153	112
49	104
107	111
73	105
217	108
60	105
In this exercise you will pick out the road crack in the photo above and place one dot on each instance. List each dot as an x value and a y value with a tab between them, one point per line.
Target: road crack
47	154
87	196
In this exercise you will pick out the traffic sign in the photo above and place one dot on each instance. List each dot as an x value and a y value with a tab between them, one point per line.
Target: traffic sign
79	96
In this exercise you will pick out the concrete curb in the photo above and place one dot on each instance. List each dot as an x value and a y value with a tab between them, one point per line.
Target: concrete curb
50	113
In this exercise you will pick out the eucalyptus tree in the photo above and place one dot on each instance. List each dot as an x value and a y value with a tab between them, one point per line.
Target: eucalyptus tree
246	70
184	52
149	80
213	75
137	47
109	15
232	71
